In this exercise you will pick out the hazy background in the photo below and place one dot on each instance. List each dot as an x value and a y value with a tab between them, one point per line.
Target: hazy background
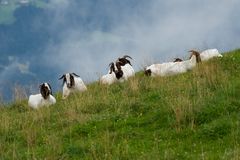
84	36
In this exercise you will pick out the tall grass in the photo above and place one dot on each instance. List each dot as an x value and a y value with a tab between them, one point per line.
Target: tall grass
190	116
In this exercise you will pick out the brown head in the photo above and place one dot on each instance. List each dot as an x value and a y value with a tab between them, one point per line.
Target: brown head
177	60
45	90
197	54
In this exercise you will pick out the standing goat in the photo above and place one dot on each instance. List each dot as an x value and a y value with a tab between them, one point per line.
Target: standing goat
72	83
45	97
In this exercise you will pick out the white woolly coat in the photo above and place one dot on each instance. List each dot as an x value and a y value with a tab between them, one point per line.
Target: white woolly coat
172	68
78	87
37	101
108	79
182	67
209	53
160	69
128	71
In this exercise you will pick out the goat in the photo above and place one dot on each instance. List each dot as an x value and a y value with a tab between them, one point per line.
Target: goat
45	97
111	77
209	53
158	69
119	71
173	68
184	66
72	83
124	65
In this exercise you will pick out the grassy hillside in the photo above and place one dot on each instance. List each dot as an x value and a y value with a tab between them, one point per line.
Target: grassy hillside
189	116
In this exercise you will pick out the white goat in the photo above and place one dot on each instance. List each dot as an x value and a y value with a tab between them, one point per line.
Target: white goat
184	66
209	53
173	68
158	69
120	71
72	83
125	65
45	97
109	78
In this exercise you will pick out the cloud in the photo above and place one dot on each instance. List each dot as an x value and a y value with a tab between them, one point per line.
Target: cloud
159	30
22	67
14	66
59	4
11	74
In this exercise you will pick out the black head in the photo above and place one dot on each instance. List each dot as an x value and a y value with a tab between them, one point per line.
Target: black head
147	72
178	60
45	90
118	72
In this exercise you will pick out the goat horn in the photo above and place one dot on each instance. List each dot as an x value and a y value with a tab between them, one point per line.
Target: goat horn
75	75
193	51
110	64
126	56
61	77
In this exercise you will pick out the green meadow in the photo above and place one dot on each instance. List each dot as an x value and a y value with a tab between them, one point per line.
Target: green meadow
195	115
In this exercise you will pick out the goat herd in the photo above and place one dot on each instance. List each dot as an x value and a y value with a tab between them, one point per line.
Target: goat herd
119	71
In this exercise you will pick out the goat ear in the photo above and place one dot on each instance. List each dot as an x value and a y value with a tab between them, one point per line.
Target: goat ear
110	64
75	75
50	88
61	77
40	86
111	70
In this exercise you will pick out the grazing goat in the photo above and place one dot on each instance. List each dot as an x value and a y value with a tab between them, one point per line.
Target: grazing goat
72	83
209	53
173	68
45	97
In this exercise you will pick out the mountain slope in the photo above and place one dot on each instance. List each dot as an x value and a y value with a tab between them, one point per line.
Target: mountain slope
189	116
